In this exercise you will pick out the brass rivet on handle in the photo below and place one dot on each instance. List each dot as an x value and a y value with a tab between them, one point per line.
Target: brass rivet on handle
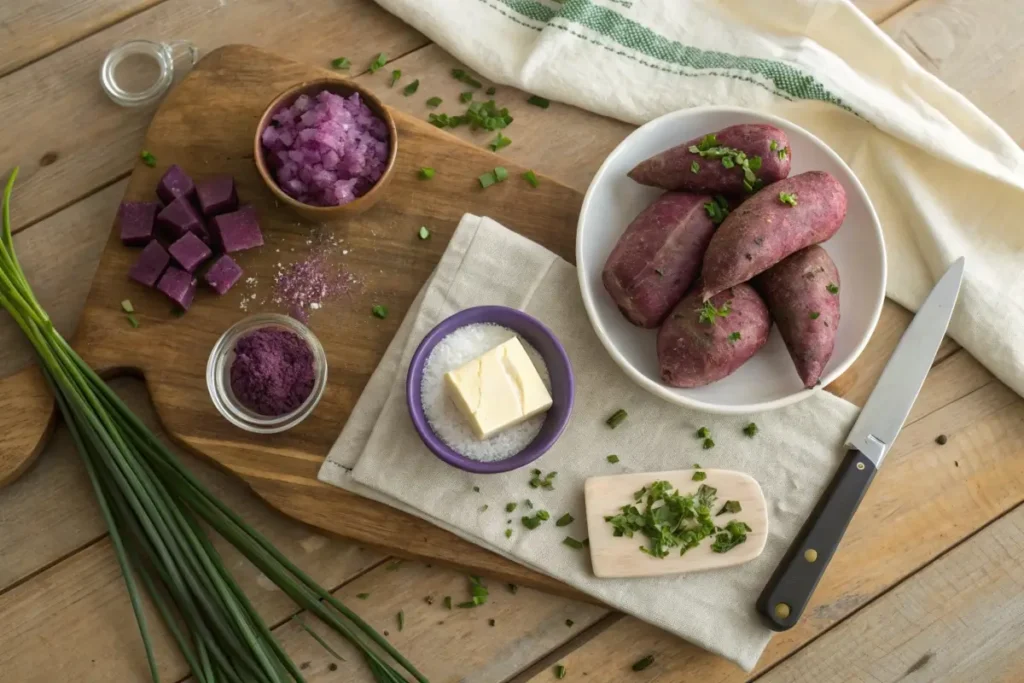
782	610
860	466
810	554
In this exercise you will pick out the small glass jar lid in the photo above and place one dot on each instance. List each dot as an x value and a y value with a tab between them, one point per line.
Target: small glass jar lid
138	73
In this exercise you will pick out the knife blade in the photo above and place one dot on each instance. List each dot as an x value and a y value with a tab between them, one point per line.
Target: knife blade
790	588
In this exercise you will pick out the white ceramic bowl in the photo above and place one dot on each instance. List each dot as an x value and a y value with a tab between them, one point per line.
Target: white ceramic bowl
768	380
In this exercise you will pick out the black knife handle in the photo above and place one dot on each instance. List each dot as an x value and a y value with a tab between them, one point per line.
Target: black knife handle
789	590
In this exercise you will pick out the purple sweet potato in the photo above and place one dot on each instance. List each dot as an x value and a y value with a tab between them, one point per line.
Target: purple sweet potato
222	274
764	229
674	168
802	293
189	252
178	218
237	231
175	183
136	220
179	286
700	343
151	264
658	257
217	195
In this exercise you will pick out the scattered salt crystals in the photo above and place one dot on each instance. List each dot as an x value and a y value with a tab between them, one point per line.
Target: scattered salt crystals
326	150
307	284
451	353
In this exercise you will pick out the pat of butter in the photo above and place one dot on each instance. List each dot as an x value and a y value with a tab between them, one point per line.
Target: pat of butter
499	389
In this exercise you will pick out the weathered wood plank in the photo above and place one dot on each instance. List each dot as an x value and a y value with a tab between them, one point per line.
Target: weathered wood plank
45	100
958	619
35	28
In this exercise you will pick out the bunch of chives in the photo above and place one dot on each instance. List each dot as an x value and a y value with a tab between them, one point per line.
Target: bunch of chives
153	507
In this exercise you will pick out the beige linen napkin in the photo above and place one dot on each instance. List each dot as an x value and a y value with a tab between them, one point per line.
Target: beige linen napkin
379	454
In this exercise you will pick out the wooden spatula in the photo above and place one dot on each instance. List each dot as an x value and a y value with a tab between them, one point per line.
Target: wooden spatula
613	556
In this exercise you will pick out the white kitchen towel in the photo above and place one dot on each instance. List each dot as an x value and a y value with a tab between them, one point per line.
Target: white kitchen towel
379	454
945	179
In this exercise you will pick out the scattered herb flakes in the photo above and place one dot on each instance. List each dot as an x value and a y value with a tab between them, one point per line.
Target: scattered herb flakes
565	520
531	178
401	620
716	212
469	604
546	482
528	503
569	623
735	337
492	90
395	75
341	63
363	596
731	507
500	173
426	173
379	311
127	307
511	507
478	591
754	163
695	167
531	523
483	508
708	444
508	533
669	520
613	459
699	476
703	433
538	101
832	288
499	142
513	589
787	198
942	439
543	515
727	162
491	622
394	566
447	602
147	158
466	96
487	179
751	429
464	77
814	315
734	533
572	543
133	321
617	418
411	88
782	154
730	158
434	102
559	671
773	145
423	233
708	312
642	664
476	489
378	62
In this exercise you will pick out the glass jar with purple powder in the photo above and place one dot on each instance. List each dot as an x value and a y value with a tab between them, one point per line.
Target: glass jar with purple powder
267	373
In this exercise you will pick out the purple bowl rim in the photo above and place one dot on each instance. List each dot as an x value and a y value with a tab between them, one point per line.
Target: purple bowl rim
536	448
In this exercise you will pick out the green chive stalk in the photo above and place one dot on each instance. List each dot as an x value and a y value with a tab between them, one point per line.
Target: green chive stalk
155	511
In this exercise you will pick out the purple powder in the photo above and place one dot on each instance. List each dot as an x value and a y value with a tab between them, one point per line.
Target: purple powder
273	371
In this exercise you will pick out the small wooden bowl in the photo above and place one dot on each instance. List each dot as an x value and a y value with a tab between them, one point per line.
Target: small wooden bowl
338	86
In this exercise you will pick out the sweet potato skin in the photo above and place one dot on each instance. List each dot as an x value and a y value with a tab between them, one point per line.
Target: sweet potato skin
658	257
763	230
692	353
802	294
672	169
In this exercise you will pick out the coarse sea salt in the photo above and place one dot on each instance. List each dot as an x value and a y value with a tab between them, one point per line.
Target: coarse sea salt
451	353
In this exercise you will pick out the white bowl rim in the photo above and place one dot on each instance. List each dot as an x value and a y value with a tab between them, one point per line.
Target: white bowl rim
669	393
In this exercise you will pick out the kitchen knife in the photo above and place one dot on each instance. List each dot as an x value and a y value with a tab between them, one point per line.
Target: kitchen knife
788	591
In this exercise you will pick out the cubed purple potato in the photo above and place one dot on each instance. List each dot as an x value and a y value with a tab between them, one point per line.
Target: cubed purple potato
217	195
179	286
177	218
175	183
137	220
237	231
189	252
151	264
222	274
658	257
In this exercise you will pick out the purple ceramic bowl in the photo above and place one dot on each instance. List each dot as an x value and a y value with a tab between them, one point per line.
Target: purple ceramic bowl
540	338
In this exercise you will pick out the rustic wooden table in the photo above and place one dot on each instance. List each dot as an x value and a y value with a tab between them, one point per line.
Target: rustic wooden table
927	585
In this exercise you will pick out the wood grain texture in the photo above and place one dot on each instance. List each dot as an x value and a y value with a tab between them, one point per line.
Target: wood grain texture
26	417
612	556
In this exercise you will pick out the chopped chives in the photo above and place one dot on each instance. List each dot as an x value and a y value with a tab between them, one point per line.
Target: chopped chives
484	507
499	142
363	596
476	489
731	506
814	315
559	671
569	623
642	664
340	63
464	77
787	198
134	323
127	307
423	232
531	178
708	444
613	459
565	520
538	101
508	533
750	429
617	418
411	88
434	101
510	507
699	476
832	288
147	158
395	75
401	619
572	543
500	173
447	602
466	96
379	311
492	90
378	62
695	167
703	433
543	515
487	179
773	146
426	173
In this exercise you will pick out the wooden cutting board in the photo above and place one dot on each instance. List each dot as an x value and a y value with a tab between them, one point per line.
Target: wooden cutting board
206	125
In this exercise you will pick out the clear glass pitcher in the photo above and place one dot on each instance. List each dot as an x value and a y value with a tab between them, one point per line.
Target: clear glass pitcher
138	73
